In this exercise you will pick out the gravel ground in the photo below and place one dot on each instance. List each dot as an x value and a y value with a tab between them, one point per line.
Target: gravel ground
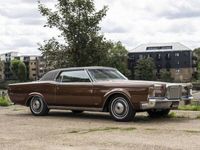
62	130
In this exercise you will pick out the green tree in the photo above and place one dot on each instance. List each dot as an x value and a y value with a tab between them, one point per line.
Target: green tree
1	70
166	76
14	67
118	57
198	72
78	21
55	54
196	57
196	52
144	70
22	71
19	69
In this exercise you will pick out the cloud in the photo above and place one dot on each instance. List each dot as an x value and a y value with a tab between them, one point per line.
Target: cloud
113	27
175	10
32	21
131	22
14	13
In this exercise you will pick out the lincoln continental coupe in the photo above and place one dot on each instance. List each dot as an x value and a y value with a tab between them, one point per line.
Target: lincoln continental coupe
99	89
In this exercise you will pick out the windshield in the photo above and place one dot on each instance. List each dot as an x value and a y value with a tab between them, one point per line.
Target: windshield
106	74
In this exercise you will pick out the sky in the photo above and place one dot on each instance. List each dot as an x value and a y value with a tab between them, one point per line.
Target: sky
133	22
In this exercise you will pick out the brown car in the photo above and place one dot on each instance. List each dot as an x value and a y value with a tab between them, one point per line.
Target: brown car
98	89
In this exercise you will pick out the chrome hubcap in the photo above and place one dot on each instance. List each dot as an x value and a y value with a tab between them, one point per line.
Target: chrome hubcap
36	104
119	108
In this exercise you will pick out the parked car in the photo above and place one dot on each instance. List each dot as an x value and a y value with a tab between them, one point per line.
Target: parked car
98	89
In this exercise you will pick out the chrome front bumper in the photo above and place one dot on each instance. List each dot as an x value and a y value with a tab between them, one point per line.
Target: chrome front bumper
164	103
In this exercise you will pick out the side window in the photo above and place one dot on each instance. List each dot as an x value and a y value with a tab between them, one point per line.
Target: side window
74	76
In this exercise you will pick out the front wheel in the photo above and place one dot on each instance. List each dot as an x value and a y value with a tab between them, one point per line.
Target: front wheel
121	109
158	113
38	107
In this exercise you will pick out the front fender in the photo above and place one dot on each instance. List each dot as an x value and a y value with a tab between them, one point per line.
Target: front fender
116	91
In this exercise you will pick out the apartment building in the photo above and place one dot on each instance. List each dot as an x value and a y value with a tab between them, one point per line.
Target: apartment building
34	64
1	70
173	57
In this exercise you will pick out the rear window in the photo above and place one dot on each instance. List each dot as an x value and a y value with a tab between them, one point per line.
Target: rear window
49	76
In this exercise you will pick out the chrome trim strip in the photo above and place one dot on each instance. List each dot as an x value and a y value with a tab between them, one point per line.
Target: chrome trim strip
187	98
159	104
75	108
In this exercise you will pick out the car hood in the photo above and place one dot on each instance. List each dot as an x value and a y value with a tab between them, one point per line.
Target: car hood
124	83
143	83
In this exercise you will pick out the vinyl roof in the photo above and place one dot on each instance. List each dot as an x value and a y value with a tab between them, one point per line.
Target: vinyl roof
88	67
51	75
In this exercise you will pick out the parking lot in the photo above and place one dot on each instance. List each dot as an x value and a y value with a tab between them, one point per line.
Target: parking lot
64	130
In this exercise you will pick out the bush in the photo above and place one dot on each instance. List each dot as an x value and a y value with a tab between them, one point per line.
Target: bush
144	70
166	76
190	107
4	101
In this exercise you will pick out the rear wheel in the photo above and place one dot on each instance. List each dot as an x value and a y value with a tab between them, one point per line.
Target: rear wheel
38	107
77	111
158	113
121	109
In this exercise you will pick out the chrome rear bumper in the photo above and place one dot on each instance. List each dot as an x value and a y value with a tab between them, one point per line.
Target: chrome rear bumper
164	103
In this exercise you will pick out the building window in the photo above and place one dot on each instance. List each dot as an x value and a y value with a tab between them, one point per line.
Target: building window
158	47
168	66
185	62
186	53
177	54
158	56
167	56
149	56
140	56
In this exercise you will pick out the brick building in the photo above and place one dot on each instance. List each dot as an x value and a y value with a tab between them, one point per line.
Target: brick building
173	57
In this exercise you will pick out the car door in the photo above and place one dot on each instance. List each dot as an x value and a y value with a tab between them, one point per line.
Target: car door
74	88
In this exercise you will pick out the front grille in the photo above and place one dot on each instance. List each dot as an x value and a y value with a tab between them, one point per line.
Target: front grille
174	92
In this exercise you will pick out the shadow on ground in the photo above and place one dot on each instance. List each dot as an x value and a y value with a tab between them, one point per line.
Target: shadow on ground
99	116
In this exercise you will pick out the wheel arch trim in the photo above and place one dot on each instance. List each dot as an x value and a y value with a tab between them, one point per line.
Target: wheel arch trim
114	92
33	94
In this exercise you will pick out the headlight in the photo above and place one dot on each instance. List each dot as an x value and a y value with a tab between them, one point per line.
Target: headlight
151	92
190	91
158	90
186	91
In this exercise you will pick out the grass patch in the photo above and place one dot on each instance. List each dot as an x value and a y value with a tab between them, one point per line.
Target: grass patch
4	101
198	117
192	131
128	129
190	107
150	129
172	115
102	129
74	131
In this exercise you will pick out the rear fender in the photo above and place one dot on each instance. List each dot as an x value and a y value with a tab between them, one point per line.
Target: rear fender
30	95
